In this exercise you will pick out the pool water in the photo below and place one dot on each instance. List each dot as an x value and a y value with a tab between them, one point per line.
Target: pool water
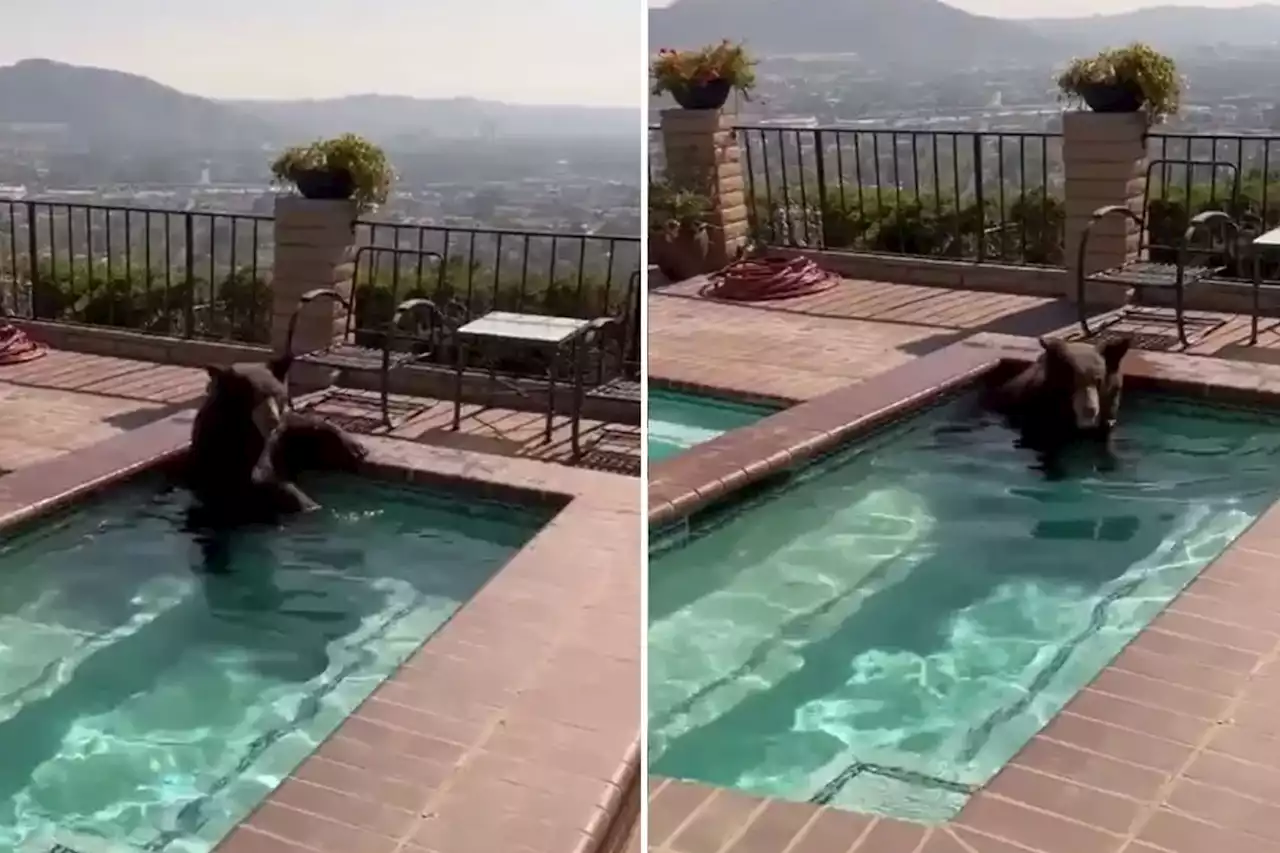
885	631
678	421
150	704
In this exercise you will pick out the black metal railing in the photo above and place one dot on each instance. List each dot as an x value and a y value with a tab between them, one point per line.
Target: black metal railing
180	273
1248	188
201	274
574	275
1254	157
977	196
951	194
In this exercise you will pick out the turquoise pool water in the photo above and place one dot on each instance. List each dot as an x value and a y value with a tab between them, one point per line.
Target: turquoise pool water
680	421
885	631
152	705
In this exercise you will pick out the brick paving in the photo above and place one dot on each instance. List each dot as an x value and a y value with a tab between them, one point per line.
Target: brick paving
68	401
798	349
802	348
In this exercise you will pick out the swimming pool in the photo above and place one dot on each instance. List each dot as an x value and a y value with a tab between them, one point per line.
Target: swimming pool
679	421
152	703
885	631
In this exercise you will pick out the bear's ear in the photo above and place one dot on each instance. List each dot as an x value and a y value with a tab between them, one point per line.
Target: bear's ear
1114	351
1055	349
216	372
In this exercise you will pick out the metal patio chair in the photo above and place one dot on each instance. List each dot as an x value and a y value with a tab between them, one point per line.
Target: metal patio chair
1174	265
615	341
382	347
621	334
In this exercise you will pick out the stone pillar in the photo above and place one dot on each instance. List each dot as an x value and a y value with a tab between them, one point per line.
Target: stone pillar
702	153
1105	162
314	247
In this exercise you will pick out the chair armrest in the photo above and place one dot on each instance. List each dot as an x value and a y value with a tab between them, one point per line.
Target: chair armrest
316	293
303	301
1206	220
602	331
601	325
1113	210
1096	217
1210	217
414	307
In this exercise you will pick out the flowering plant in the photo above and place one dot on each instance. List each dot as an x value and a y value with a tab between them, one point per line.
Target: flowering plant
1138	68
676	71
363	162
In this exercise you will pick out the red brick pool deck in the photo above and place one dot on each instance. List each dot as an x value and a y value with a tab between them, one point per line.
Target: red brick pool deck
1174	747
515	727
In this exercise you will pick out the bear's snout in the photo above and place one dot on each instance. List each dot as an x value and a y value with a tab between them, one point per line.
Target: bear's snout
267	416
1085	402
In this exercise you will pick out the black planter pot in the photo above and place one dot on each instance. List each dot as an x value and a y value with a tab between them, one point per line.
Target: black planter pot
711	95
1112	97
325	184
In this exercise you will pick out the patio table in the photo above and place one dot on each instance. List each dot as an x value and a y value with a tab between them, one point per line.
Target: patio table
550	333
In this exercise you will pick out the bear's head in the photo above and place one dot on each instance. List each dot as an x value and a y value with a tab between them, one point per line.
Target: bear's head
249	393
1087	375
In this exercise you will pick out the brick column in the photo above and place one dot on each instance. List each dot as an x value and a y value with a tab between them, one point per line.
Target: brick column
702	153
314	247
1105	162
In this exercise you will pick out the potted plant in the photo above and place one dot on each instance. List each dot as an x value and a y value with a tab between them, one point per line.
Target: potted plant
345	167
679	241
1124	80
703	79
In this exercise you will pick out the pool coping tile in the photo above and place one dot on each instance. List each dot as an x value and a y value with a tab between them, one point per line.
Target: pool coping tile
516	725
1174	747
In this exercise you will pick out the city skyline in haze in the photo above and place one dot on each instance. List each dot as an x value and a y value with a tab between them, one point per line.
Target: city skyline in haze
570	52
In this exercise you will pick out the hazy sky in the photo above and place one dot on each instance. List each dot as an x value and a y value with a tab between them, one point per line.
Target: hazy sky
531	51
1062	8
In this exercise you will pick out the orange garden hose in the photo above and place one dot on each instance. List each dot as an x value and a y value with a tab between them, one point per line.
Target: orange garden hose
760	279
16	347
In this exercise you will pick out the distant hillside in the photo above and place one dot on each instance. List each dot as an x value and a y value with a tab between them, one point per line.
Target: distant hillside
110	109
387	117
895	32
1170	28
103	109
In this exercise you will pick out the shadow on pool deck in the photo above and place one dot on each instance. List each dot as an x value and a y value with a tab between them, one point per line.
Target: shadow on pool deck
69	400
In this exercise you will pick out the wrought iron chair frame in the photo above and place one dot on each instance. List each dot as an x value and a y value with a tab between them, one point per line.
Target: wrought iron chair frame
1151	274
346	354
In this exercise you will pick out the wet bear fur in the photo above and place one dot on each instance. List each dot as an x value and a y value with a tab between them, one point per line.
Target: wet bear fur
247	449
1071	392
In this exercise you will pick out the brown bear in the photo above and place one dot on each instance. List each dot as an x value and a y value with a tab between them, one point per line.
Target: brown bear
1071	391
247	448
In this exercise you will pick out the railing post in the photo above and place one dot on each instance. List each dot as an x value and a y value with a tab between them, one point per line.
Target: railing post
1104	157
979	197
702	153
189	274
33	267
315	244
821	169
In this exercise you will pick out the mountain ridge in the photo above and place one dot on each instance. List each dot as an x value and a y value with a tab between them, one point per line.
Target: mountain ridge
931	33
103	108
1169	28
893	32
